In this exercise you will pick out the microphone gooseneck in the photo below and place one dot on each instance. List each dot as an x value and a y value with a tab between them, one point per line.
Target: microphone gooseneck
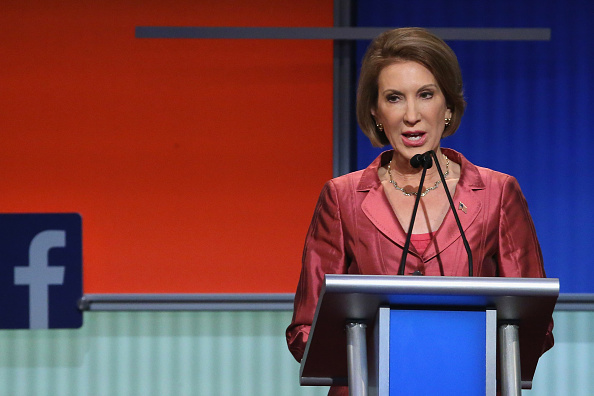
426	162
445	186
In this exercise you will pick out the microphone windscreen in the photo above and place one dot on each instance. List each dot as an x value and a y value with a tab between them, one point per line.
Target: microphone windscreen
428	160
423	160
417	160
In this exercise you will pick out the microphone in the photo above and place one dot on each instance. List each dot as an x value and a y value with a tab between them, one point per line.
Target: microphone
425	160
416	161
466	245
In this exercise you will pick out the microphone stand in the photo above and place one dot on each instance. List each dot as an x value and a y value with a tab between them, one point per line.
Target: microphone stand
445	186
416	161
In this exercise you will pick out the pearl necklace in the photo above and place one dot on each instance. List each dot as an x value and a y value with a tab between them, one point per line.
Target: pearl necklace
408	194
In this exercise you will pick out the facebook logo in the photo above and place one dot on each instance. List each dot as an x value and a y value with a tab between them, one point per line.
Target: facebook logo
40	271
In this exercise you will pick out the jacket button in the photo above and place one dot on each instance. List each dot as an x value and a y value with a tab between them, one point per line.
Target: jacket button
417	272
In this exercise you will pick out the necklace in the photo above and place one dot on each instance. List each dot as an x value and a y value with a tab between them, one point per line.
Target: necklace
408	194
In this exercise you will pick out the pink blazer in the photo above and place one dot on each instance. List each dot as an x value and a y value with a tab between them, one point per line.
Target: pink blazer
354	230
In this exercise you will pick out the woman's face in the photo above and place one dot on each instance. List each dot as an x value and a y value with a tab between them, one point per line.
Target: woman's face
411	107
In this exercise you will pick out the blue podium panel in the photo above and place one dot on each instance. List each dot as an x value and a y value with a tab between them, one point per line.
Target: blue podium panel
437	352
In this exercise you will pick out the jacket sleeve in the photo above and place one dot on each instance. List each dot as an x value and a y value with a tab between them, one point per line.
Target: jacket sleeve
519	252
323	253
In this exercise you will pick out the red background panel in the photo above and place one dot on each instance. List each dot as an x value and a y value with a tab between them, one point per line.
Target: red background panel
195	164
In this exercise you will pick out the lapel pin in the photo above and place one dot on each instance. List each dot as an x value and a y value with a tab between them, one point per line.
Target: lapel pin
462	207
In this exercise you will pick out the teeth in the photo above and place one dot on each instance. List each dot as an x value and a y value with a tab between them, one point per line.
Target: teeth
413	137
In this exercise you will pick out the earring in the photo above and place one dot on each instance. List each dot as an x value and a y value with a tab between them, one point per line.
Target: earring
448	121
379	127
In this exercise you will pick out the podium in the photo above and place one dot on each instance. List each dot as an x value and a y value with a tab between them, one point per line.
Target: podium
421	335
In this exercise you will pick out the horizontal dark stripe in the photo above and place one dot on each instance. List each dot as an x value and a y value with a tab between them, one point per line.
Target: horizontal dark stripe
334	33
244	302
575	302
187	302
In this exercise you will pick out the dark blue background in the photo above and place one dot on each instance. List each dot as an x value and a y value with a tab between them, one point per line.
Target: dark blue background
16	233
529	112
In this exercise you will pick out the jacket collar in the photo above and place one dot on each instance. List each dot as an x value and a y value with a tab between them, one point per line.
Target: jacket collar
378	210
370	179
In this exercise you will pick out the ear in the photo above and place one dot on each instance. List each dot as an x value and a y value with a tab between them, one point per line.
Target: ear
374	116
448	113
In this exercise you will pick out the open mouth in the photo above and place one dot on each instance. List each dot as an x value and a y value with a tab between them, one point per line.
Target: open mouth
413	135
414	138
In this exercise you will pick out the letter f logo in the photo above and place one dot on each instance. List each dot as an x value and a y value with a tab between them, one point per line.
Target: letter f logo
39	275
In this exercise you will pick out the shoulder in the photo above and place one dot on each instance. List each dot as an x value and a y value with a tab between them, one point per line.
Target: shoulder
479	177
364	179
339	191
491	176
347	182
361	180
503	187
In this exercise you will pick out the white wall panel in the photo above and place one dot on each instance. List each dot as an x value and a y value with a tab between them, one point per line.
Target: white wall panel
216	354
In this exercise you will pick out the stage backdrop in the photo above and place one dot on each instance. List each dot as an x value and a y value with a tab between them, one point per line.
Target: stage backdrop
195	164
530	112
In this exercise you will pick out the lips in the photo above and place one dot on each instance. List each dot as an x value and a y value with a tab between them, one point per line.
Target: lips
414	138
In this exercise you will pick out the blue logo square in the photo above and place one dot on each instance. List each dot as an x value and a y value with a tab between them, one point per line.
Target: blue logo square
40	271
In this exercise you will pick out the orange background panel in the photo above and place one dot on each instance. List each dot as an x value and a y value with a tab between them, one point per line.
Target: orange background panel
195	164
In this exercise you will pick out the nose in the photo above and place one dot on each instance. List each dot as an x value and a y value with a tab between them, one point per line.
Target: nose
412	116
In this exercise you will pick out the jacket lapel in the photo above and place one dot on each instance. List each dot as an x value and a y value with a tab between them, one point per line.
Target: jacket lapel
467	204
375	204
378	210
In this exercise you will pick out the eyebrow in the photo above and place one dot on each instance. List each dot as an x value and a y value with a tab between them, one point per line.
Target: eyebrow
428	86
431	85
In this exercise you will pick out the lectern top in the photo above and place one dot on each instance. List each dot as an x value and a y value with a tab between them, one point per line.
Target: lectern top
526	301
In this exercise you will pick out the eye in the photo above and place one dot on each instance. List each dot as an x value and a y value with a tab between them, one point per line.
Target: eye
392	98
426	94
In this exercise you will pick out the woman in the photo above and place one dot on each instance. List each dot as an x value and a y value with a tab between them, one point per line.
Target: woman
410	97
